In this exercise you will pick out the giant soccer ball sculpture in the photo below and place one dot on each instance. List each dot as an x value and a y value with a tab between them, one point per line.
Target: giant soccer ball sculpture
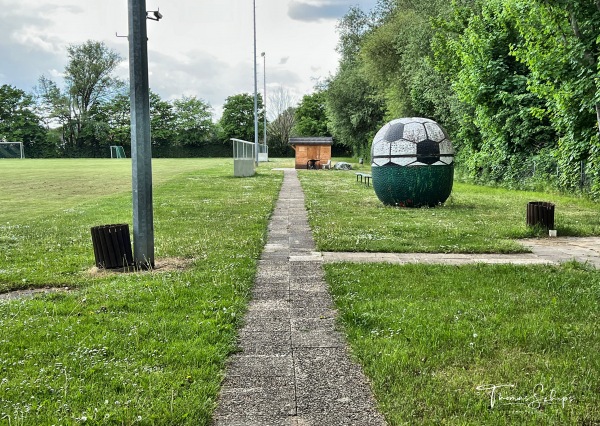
412	163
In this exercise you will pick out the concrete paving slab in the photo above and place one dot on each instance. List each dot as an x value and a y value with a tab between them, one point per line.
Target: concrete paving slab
317	339
330	386
265	343
266	324
244	420
310	299
261	365
266	294
436	258
271	286
307	284
269	307
312	312
266	402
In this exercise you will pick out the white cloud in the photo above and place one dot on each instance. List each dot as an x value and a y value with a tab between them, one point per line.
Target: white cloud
199	48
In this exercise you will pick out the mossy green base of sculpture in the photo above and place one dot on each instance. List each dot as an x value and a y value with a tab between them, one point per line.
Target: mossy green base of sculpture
413	186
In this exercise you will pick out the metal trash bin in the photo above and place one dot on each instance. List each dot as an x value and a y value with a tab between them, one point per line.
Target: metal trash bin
540	213
112	246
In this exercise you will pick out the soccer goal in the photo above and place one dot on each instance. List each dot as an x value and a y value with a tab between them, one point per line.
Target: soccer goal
12	150
117	151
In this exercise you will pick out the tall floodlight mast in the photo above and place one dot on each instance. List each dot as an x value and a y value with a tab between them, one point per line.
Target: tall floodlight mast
255	88
264	56
141	154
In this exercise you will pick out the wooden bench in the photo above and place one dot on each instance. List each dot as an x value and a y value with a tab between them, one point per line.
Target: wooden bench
364	178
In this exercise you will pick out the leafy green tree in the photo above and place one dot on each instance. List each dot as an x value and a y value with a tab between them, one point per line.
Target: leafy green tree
117	116
89	84
494	87
355	110
354	107
162	118
53	106
352	28
311	115
88	76
237	120
19	123
562	49
193	122
397	59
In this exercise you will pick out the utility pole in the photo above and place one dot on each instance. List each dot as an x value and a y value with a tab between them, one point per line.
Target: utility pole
141	154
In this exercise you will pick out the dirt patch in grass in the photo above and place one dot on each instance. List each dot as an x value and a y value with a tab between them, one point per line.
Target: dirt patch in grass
167	264
30	292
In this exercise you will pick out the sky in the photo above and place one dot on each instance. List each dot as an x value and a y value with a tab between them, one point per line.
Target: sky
201	48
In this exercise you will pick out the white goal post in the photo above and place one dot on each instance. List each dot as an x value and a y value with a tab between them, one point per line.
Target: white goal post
12	150
117	151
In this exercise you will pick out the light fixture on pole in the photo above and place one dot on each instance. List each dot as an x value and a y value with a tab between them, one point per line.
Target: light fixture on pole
264	56
255	90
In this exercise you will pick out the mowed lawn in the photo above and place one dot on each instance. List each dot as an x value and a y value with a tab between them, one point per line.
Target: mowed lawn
348	216
468	345
145	348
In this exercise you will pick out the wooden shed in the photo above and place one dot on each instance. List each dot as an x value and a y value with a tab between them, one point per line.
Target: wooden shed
312	152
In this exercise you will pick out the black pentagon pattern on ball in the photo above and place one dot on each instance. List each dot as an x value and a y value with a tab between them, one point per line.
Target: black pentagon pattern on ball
394	132
428	152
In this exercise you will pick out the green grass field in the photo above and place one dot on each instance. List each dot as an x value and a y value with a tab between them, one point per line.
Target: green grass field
150	348
475	345
347	216
123	348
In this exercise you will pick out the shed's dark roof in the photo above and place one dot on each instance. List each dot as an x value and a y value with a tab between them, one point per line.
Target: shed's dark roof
312	141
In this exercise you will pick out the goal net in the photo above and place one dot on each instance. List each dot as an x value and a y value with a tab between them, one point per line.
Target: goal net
117	151
11	150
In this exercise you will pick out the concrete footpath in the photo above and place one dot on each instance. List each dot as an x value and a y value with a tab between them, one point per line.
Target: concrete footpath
544	251
293	368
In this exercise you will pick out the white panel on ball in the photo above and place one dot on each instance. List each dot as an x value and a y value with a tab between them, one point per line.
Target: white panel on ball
446	147
404	161
380	161
383	147
414	132
434	132
403	147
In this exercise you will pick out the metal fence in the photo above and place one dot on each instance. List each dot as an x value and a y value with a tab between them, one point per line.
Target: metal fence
242	150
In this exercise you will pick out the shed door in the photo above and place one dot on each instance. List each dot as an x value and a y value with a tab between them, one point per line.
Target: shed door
312	152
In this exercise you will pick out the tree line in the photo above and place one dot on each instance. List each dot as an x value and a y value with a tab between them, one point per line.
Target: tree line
515	82
92	112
